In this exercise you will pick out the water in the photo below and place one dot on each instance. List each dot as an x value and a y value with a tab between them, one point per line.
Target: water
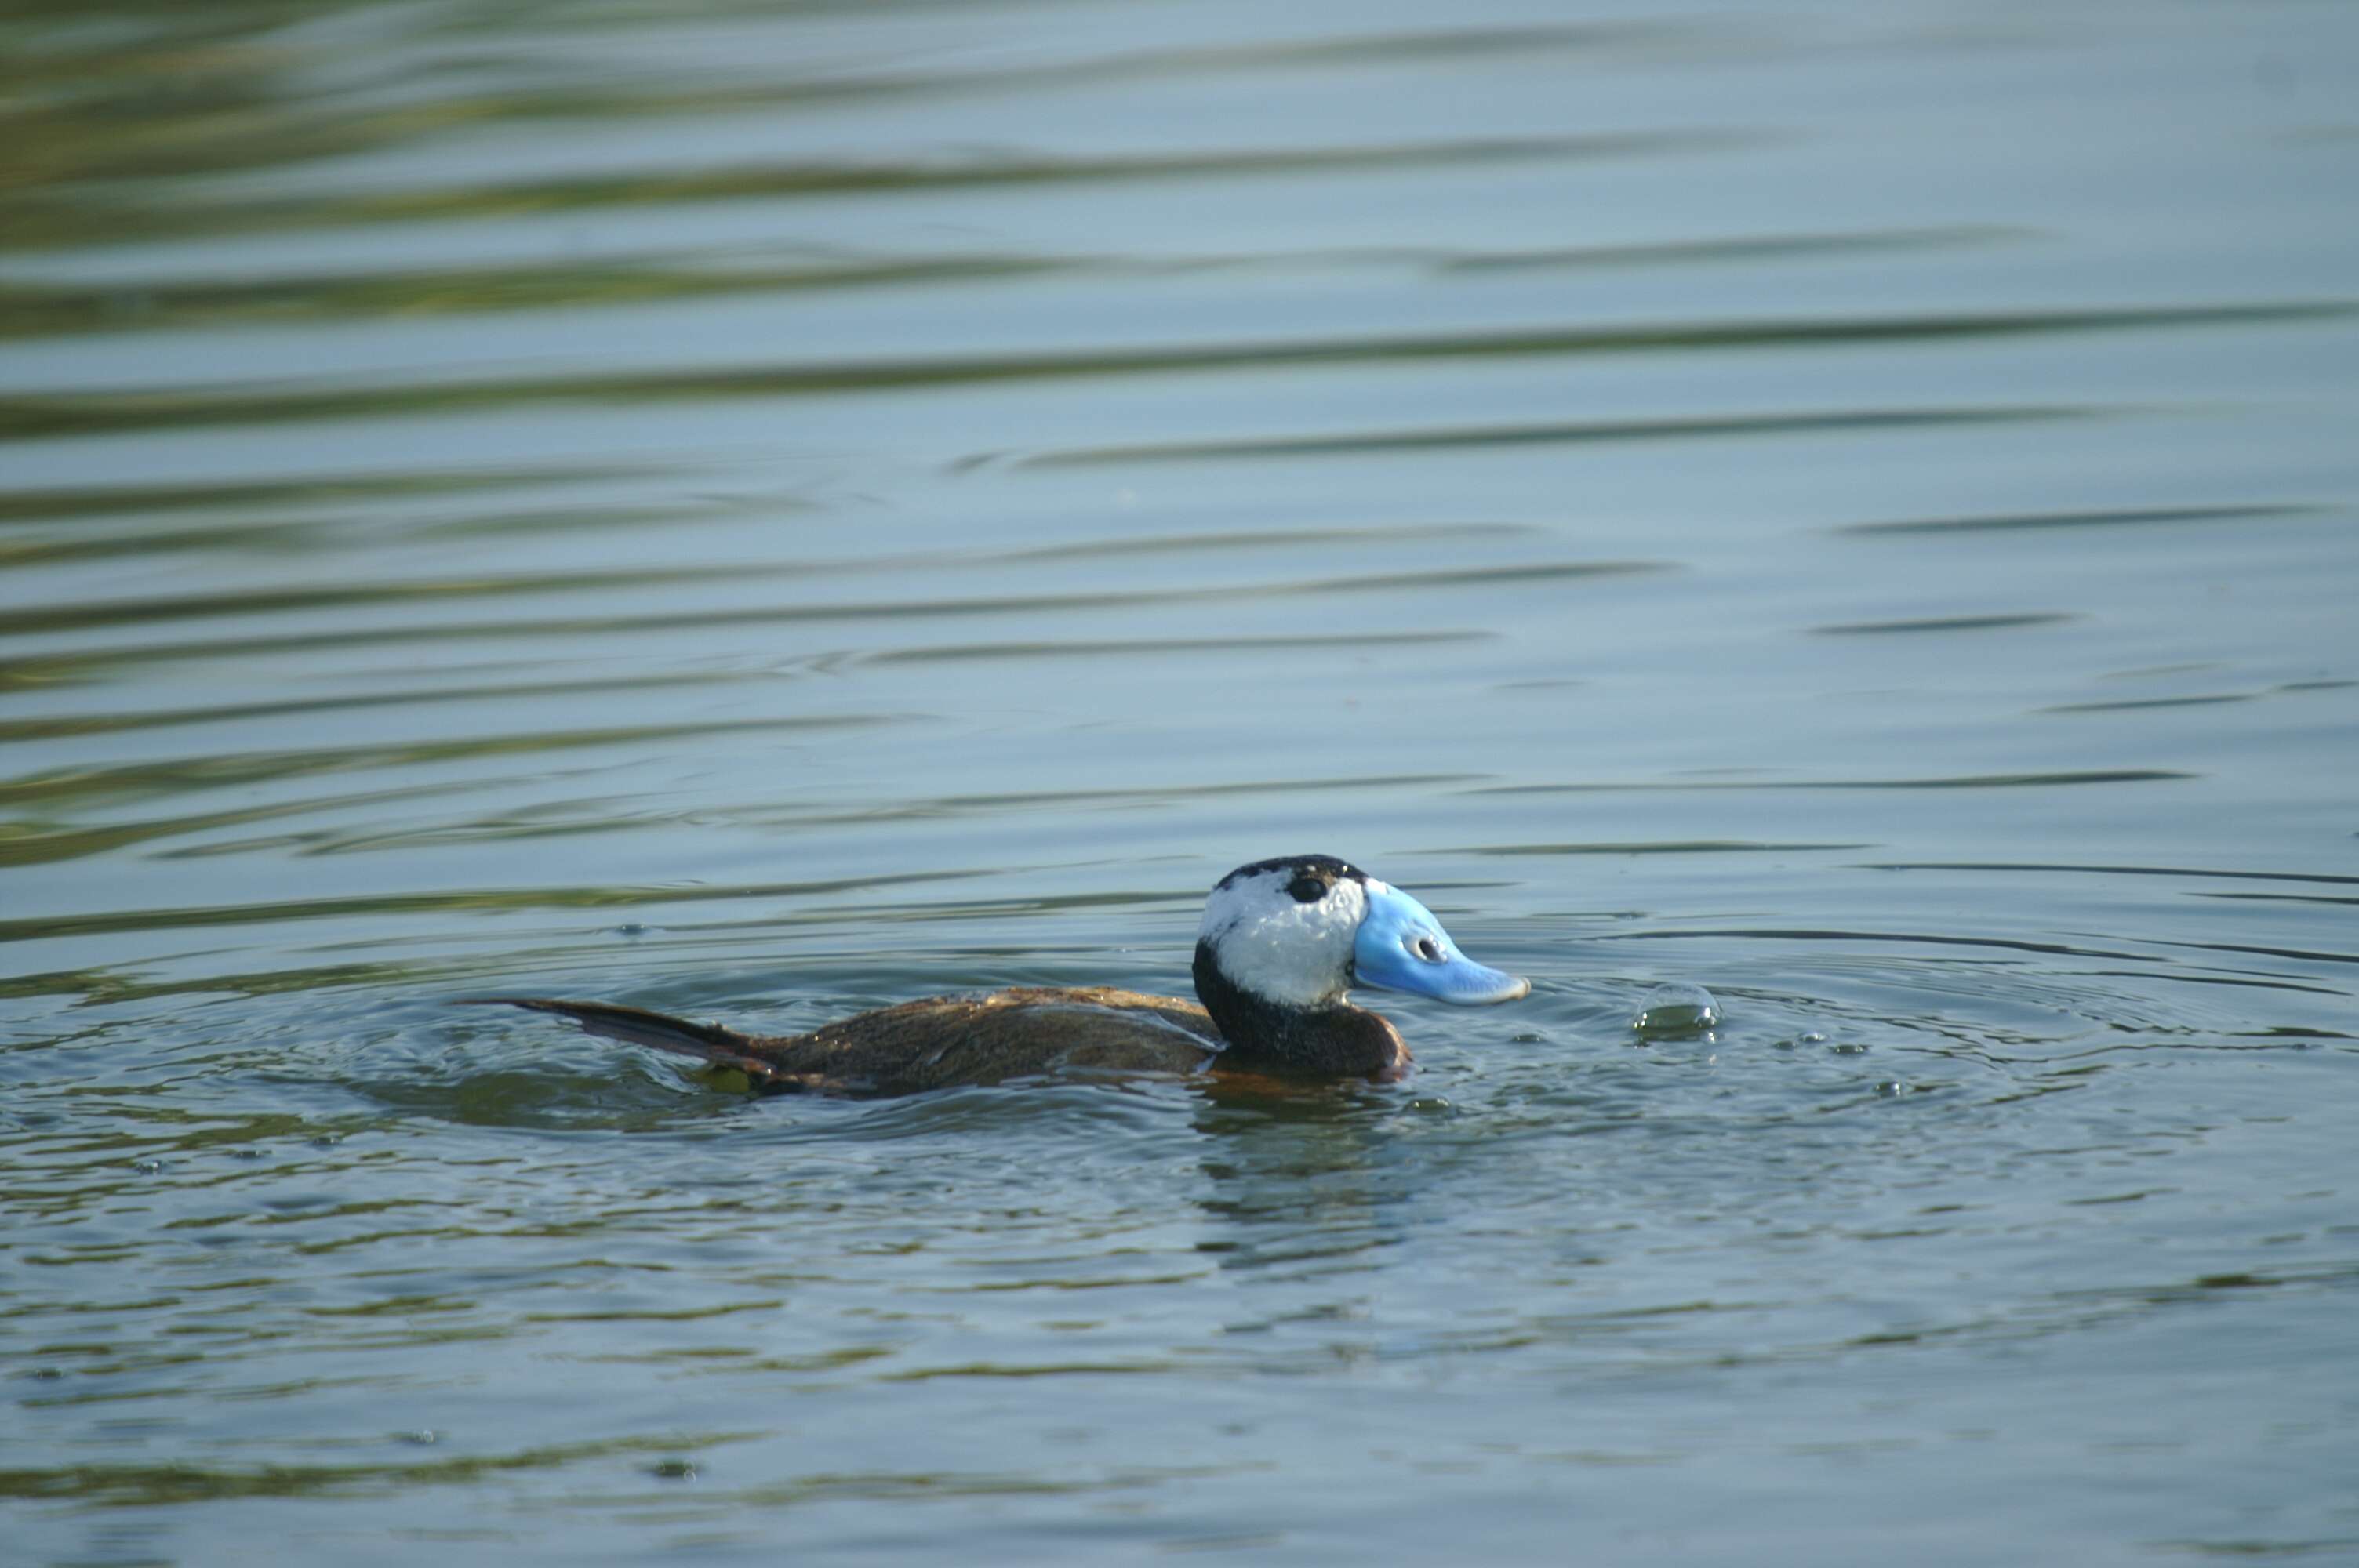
1849	509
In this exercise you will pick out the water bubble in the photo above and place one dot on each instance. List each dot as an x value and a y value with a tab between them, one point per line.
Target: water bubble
673	1470
1892	1088
422	1437
146	1167
1676	1008
1848	1048
1810	1037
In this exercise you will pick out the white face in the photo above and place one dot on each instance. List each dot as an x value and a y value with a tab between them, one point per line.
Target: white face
1274	946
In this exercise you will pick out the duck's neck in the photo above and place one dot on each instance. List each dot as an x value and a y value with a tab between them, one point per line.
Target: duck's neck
1334	1040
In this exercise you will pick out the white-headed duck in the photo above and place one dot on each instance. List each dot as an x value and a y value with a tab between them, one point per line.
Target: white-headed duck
1281	943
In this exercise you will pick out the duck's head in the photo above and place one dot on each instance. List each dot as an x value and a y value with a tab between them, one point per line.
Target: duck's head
1284	940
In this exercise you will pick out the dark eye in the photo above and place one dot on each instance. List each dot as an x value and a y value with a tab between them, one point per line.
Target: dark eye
1429	949
1307	889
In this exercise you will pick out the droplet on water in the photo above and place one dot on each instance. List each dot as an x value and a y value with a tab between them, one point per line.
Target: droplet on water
1676	1008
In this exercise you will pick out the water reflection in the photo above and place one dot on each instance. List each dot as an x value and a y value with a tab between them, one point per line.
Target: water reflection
1298	1180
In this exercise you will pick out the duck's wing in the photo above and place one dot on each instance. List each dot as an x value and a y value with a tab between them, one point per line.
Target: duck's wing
943	1040
935	1042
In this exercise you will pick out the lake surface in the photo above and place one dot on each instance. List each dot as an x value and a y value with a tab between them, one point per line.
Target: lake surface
763	514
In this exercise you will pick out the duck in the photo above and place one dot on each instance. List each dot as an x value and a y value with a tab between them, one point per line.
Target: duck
1281	945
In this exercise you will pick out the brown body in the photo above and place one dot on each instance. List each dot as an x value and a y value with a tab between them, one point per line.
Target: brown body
935	1042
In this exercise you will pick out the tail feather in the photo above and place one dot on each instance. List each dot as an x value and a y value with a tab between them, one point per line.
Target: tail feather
706	1042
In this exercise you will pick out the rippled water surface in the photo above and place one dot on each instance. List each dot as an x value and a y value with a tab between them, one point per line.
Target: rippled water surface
762	513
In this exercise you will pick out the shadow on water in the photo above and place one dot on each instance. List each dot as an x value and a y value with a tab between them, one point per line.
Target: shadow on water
157	1485
28	418
30	311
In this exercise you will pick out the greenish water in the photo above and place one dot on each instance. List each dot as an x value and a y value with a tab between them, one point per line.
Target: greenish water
764	512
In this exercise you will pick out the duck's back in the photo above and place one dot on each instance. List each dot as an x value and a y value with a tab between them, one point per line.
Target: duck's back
936	1042
946	1039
